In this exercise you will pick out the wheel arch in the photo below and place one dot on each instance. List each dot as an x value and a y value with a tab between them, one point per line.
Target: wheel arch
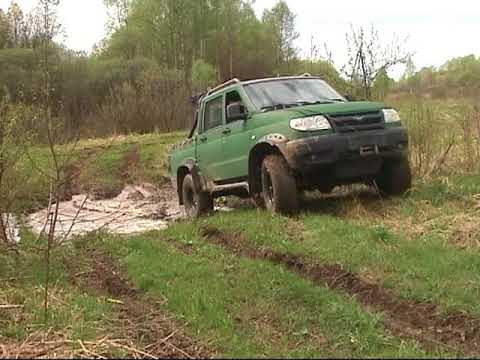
255	160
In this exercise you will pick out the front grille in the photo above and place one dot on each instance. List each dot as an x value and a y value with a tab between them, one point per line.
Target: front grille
371	120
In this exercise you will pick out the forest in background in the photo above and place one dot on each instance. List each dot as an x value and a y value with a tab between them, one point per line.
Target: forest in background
160	52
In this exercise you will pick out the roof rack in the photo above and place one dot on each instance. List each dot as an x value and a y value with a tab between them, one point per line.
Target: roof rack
224	85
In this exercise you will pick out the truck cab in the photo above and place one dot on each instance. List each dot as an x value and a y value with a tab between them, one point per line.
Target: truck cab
269	139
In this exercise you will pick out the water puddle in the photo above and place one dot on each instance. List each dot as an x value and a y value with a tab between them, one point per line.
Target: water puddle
12	228
137	209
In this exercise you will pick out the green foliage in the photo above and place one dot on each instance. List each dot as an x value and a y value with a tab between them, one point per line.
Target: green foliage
15	137
323	69
280	22
457	77
4	29
157	54
203	75
382	85
225	34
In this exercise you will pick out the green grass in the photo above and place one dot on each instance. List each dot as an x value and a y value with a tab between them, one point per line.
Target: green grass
250	308
440	191
72	312
424	268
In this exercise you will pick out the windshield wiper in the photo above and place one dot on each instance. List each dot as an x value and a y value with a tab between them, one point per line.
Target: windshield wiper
322	101
279	107
299	103
326	101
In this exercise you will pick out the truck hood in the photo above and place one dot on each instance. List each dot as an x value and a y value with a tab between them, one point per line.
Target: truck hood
335	108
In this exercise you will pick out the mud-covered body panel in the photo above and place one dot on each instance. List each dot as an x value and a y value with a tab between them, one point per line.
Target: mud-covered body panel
307	153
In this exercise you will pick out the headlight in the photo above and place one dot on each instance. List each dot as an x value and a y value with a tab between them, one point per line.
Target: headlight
390	116
312	123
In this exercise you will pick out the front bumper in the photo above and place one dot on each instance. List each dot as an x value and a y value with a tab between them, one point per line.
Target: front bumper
323	150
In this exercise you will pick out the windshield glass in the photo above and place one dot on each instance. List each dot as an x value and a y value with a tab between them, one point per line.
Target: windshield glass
274	94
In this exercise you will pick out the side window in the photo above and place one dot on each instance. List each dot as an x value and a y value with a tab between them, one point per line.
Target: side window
213	114
233	97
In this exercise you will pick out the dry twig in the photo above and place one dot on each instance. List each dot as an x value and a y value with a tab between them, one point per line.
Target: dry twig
9	307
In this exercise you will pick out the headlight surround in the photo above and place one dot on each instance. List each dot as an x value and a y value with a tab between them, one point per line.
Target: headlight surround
311	123
391	116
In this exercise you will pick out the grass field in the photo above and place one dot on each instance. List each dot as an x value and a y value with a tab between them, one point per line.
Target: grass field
354	275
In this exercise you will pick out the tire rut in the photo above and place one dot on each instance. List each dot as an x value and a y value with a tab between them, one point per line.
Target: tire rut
139	319
421	321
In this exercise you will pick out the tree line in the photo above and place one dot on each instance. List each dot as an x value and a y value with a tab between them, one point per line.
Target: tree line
158	53
458	77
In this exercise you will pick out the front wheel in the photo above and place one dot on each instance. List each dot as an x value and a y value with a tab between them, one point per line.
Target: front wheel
196	203
279	187
395	177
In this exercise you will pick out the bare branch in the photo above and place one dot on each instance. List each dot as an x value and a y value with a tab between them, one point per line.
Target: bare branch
368	57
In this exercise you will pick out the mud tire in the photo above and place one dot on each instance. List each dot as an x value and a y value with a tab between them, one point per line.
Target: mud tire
279	187
196	204
395	178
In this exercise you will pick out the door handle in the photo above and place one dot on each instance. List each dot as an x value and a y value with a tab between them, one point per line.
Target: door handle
227	131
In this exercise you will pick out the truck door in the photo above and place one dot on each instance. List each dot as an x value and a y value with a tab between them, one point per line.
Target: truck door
236	144
209	145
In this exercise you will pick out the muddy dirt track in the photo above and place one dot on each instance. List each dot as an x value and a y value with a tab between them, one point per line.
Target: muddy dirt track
419	321
153	331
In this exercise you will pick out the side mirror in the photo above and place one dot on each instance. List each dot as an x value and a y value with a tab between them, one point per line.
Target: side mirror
236	111
349	97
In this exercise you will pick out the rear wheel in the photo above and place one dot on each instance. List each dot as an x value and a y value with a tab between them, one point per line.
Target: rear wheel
195	203
395	177
279	187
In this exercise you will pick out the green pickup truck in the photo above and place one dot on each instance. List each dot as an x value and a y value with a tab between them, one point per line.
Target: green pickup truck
269	139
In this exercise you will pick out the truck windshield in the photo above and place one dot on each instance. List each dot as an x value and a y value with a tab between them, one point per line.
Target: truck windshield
278	94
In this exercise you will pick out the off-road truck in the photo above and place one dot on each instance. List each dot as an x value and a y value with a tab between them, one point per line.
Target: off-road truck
269	139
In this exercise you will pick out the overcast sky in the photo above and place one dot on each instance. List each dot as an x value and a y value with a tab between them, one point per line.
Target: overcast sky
437	30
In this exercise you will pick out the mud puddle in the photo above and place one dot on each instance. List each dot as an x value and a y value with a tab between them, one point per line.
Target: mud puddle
420	321
12	228
137	209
